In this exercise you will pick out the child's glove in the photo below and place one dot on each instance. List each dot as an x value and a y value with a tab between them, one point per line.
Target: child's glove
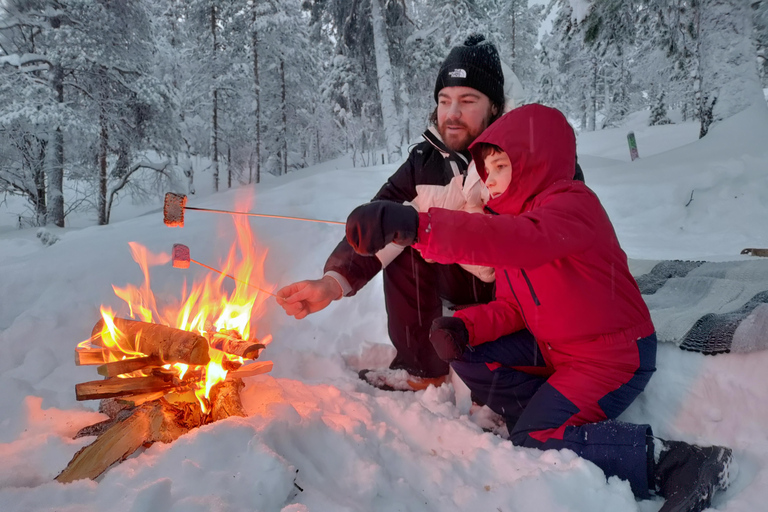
371	226
449	337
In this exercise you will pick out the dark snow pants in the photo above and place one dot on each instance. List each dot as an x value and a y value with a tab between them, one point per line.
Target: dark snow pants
414	291
510	376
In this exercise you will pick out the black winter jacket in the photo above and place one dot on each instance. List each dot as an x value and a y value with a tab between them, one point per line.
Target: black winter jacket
429	163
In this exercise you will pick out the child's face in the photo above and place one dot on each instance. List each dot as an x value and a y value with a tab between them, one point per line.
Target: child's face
499	170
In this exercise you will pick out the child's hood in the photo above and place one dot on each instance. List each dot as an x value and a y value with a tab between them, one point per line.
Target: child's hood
541	146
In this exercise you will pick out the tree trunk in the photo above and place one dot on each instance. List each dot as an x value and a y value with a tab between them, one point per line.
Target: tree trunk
103	140
229	166
56	172
41	210
729	79
386	88
285	117
592	120
513	42
215	107
257	90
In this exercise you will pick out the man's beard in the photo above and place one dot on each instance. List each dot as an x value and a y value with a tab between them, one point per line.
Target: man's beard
460	141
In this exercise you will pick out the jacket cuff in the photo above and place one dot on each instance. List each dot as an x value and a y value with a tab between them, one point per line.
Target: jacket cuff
425	229
346	288
470	328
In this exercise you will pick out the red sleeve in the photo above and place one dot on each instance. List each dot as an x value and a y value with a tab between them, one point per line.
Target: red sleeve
488	322
561	224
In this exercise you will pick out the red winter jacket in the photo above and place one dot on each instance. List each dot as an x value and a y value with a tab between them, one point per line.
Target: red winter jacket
560	271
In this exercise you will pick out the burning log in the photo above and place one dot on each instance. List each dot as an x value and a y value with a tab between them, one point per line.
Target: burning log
116	368
170	344
231	343
157	420
249	370
114	386
225	400
90	356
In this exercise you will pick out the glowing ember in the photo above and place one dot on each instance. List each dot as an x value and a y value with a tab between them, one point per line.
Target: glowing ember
205	308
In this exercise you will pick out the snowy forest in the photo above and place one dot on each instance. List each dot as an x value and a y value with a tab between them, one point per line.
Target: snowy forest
106	99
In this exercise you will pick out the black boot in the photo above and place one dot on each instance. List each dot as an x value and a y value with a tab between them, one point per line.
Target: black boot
688	475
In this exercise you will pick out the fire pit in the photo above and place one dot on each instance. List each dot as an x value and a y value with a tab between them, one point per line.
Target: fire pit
171	370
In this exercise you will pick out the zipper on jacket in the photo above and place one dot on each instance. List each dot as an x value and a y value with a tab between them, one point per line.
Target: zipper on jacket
525	320
525	276
530	288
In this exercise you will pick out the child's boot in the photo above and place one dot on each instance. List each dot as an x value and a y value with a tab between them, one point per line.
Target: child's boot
687	476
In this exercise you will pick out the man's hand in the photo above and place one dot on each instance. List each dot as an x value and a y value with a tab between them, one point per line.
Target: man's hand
305	297
370	227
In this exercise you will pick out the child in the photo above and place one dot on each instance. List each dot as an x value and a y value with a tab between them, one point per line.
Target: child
568	344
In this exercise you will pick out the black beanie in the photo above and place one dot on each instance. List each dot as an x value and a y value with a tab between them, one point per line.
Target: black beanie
474	64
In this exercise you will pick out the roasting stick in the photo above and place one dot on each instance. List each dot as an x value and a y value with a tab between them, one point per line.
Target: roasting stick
175	204
181	259
267	216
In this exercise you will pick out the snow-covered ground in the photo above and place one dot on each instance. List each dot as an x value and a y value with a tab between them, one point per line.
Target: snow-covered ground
311	420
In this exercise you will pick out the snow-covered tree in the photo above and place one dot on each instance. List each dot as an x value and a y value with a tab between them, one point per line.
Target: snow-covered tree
728	70
369	32
659	111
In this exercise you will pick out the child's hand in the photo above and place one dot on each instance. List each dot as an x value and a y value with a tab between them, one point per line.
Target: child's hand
449	337
370	227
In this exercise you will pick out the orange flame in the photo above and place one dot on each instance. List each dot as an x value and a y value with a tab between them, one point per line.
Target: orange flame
207	307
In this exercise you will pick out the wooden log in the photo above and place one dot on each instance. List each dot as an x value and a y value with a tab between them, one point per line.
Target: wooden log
113	406
170	344
115	386
137	400
231	343
89	356
249	370
154	421
225	399
116	368
99	428
762	252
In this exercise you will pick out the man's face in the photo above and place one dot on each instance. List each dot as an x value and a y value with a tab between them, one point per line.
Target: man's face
499	173
462	114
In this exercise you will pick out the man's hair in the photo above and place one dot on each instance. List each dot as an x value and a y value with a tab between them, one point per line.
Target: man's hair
483	150
498	114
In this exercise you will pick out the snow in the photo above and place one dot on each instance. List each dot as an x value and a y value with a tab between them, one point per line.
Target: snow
316	437
580	9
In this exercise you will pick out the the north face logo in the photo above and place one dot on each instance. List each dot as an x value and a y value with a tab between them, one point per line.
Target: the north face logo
457	73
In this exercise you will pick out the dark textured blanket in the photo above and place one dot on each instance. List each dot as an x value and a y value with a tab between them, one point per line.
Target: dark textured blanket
709	307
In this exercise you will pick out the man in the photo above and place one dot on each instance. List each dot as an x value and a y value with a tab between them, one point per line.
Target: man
469	92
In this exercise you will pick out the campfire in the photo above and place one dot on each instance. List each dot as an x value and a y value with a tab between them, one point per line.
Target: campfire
168	370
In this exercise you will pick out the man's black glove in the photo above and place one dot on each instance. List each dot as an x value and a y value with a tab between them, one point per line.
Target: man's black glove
449	337
371	226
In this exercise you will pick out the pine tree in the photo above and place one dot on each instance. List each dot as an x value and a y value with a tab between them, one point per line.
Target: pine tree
369	32
659	111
